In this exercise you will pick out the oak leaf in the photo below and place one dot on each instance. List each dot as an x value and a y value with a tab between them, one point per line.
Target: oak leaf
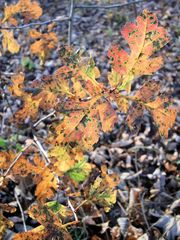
21	168
82	125
144	38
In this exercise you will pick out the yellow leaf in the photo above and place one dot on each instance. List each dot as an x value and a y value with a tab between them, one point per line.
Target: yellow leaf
9	43
64	161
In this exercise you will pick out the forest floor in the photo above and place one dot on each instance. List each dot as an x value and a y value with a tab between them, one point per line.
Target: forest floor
148	193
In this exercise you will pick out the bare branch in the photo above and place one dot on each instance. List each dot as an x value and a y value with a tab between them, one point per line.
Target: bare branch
71	12
57	19
73	210
143	211
42	151
21	210
43	118
109	6
70	17
17	157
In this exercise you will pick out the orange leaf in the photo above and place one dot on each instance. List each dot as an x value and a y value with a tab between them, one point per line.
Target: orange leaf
144	38
108	116
44	46
30	10
163	114
16	88
30	108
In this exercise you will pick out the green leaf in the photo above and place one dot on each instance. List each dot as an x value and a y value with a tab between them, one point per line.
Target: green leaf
54	206
18	147
3	143
26	62
58	208
80	171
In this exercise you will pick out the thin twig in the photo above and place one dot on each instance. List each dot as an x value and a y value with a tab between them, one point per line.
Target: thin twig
71	12
72	209
143	211
81	204
21	210
16	158
43	118
2	122
109	6
172	225
135	9
136	167
122	208
42	151
57	19
135	175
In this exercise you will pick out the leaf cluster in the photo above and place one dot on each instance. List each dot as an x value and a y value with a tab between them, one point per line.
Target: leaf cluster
83	108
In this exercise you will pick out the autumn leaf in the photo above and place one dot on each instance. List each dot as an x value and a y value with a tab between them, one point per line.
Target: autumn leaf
163	114
29	10
67	126
21	168
50	227
107	115
16	88
30	108
144	38
4	222
64	161
37	233
45	179
144	95
61	80
90	72
9	43
75	81
82	124
60	210
47	99
160	107
46	185
43	46
103	190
